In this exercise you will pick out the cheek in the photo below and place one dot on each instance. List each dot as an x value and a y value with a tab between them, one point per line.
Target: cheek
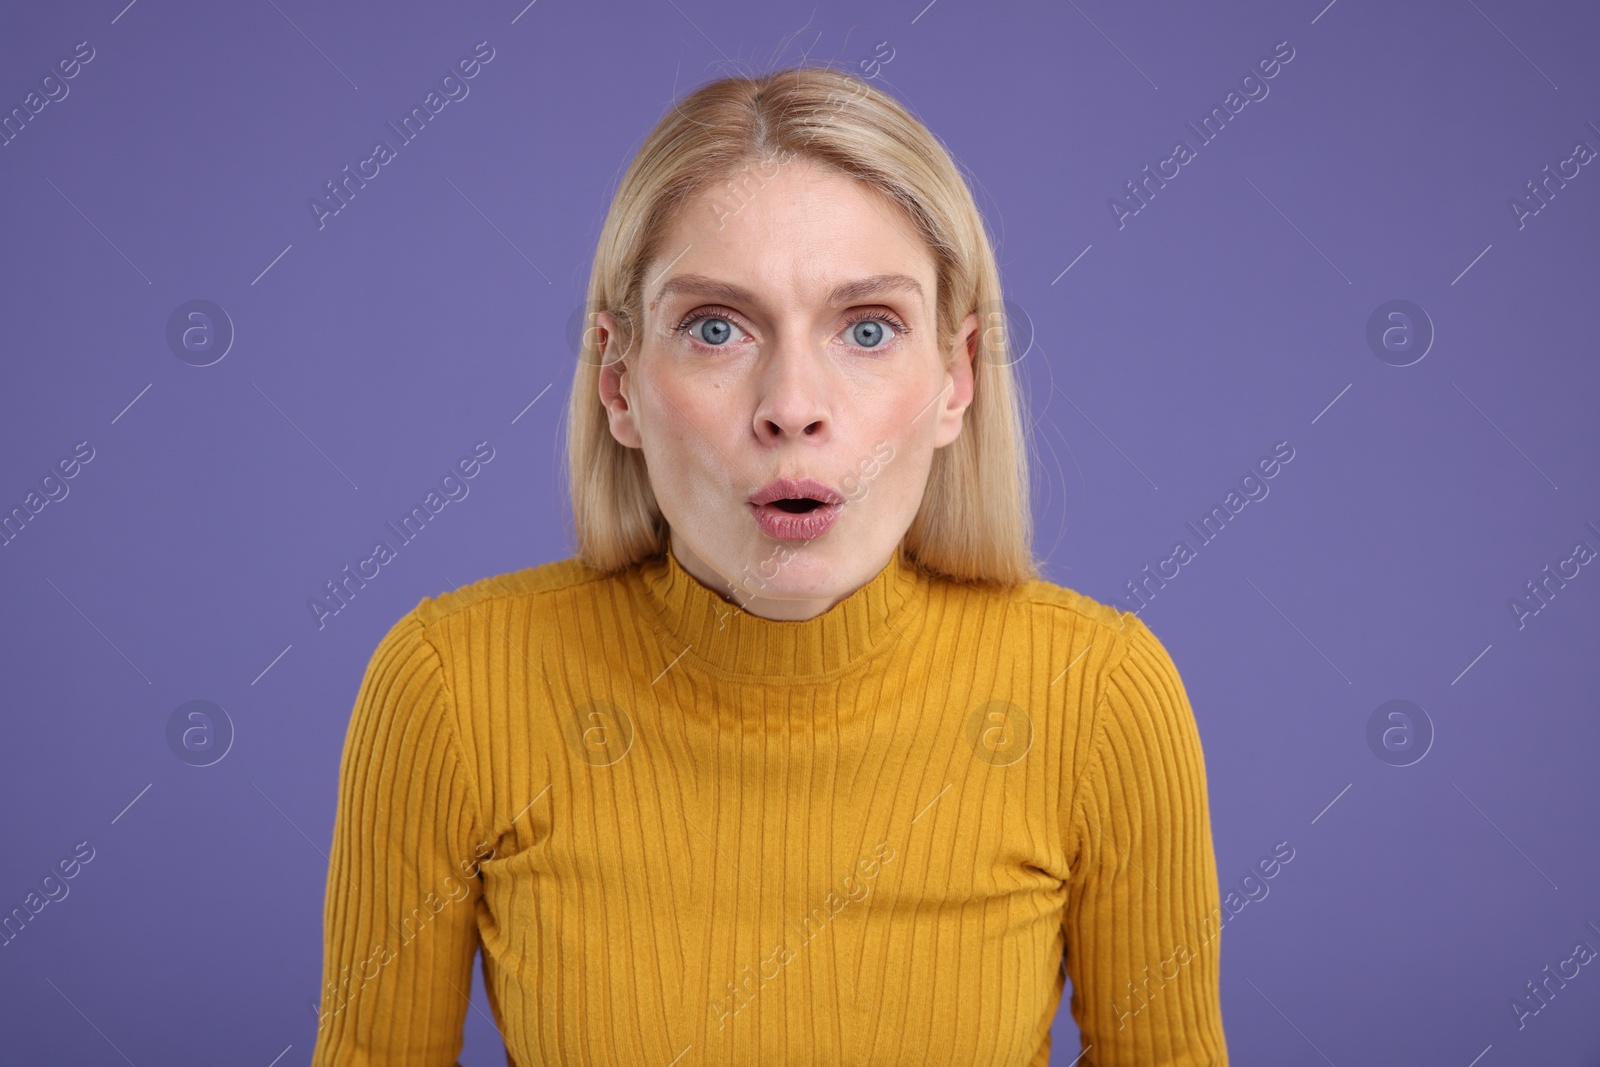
674	393
910	426
687	431
672	404
907	476
893	470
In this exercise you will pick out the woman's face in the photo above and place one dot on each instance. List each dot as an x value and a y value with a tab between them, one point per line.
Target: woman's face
789	332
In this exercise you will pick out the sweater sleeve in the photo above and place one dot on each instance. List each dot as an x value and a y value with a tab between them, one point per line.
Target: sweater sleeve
403	888
1142	914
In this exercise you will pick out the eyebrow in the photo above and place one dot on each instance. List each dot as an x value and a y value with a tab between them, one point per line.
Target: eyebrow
843	293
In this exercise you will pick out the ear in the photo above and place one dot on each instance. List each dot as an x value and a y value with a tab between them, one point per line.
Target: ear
616	382
958	381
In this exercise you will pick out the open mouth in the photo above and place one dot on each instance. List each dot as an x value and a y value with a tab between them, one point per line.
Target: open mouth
799	497
796	509
797	505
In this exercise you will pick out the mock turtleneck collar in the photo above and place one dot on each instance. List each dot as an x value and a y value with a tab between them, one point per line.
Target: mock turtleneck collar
705	626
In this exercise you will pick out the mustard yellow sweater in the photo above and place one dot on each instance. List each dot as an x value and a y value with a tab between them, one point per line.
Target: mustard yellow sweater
683	834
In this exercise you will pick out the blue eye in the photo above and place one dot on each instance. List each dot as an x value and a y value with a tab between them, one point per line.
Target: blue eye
716	331
871	329
867	334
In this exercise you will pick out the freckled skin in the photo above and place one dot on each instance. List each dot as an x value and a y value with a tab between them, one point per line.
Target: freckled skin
795	388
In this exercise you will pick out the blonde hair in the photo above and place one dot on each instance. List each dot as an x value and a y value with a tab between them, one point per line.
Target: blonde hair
974	523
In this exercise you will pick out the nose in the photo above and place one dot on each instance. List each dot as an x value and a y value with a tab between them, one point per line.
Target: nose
794	393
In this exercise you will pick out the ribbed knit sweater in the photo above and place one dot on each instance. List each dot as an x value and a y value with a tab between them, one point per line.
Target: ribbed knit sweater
684	834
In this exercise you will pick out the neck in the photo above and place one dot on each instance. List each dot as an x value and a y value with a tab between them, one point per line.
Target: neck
743	598
709	626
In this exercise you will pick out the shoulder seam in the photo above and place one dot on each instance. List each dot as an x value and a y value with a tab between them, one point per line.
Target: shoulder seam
452	726
1047	594
1117	657
1126	635
437	613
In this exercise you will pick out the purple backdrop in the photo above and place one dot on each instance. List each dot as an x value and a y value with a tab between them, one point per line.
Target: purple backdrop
1380	260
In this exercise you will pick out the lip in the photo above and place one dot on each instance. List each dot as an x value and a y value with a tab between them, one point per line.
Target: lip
783	525
794	488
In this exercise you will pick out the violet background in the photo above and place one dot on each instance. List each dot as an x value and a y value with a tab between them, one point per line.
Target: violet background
431	312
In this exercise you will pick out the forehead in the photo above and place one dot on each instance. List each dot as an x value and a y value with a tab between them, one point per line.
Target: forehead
792	234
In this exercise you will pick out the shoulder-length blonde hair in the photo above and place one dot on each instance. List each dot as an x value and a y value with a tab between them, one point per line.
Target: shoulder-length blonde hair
974	523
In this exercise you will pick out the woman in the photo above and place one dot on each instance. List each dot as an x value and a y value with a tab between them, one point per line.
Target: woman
797	760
